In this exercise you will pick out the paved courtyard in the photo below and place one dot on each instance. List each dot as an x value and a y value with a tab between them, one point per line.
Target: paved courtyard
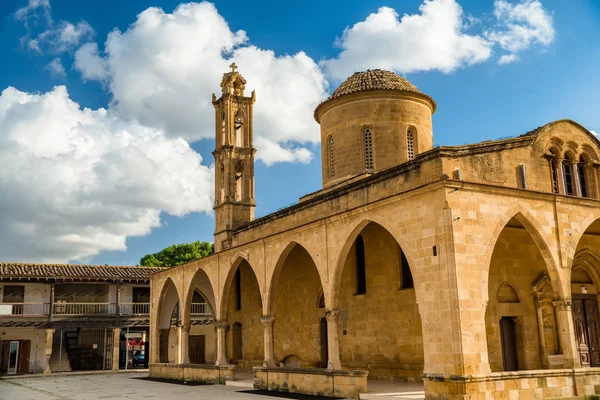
135	386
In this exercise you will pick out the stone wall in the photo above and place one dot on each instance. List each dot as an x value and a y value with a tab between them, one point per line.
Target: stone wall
516	264
297	316
249	316
380	331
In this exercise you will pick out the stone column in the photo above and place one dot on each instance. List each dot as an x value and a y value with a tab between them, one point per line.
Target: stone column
48	352
268	321
116	348
566	333
221	329
333	345
184	344
540	319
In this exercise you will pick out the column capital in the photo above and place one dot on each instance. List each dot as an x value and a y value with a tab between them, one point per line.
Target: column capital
332	315
221	324
185	328
539	303
563	305
267	320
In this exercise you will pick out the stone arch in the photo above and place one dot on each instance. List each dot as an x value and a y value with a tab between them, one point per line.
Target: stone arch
169	299
269	306
593	216
533	227
208	293
236	261
332	302
508	293
294	286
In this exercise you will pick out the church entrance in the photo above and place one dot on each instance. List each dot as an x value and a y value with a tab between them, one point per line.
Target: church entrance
587	322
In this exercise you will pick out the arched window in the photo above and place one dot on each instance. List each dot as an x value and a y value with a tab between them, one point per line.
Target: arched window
581	173
553	171
361	270
239	181
238	132
410	144
568	175
331	157
368	139
238	289
405	274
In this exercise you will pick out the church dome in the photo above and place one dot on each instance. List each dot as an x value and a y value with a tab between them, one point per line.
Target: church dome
372	80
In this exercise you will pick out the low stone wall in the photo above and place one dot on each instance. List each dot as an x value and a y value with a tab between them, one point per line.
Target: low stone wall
314	381
388	371
535	384
192	372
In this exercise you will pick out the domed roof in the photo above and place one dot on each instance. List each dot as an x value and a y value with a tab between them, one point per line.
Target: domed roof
374	79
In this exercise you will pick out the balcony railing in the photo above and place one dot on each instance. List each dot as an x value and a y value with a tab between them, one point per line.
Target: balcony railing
24	309
85	308
199	309
134	308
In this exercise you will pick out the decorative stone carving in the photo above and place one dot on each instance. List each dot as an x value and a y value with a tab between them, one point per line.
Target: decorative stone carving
563	305
332	315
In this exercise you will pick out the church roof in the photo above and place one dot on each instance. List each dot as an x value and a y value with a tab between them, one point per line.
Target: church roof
371	80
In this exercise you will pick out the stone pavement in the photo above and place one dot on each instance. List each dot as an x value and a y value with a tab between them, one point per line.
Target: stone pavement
122	386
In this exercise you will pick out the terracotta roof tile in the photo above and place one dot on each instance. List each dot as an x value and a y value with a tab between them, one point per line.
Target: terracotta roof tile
75	271
374	79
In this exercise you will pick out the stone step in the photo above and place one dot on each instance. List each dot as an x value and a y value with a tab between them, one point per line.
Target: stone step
243	384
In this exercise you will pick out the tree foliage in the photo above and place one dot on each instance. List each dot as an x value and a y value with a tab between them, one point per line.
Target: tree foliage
178	254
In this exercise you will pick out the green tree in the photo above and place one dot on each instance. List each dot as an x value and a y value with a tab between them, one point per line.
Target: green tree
178	254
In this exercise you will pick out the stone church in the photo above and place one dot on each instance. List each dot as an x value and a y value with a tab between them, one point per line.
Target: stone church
474	269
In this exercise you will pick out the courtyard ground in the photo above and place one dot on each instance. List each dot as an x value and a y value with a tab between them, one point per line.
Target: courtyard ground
135	386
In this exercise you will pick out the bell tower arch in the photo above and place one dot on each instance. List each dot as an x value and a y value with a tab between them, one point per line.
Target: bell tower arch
234	158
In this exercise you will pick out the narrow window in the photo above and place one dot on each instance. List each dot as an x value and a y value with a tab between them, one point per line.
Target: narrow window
331	157
361	277
238	290
553	166
367	134
568	174
238	124
581	173
410	144
407	279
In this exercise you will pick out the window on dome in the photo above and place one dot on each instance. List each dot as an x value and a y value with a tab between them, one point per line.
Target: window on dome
368	140
410	144
331	157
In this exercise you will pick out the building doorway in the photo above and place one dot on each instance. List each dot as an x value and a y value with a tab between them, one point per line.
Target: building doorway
13	358
237	342
508	335
323	340
586	323
197	349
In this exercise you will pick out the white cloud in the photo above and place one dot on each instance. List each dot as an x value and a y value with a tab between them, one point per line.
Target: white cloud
55	38
594	132
508	58
77	181
271	152
162	70
56	68
520	26
435	39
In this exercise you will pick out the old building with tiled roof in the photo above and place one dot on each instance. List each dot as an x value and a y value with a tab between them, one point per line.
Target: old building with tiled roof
63	317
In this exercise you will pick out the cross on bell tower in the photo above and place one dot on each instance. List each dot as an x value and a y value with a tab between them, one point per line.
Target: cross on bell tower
234	158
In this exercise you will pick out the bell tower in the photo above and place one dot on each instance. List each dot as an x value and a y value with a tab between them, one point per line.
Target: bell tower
234	158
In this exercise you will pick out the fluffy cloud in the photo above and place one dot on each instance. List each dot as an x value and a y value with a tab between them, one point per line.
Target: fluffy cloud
520	26
179	59
56	38
56	68
78	181
435	39
438	38
594	133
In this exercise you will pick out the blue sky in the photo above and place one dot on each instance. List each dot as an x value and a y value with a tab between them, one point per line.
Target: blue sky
86	186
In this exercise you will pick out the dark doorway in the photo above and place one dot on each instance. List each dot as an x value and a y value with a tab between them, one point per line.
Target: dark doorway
197	349
323	341
237	342
508	334
586	323
164	346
